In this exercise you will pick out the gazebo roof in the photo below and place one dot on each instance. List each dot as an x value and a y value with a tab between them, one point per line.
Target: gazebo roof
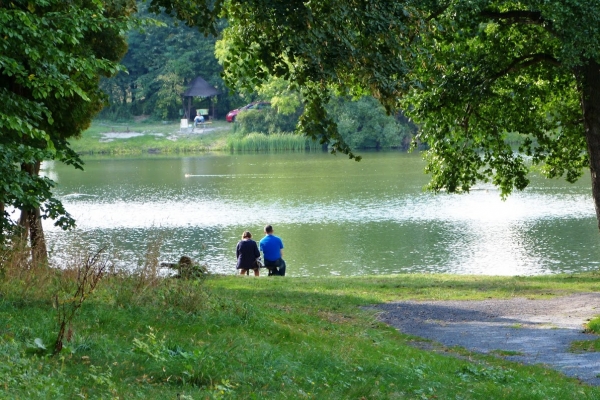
200	88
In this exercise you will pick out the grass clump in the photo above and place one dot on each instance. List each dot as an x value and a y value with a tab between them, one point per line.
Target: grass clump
275	142
584	346
593	326
140	335
505	353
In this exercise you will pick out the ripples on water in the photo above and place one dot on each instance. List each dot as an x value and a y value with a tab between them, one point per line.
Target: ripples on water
336	217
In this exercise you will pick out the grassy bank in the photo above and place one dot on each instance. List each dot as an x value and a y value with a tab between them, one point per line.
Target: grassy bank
145	136
259	142
105	137
140	337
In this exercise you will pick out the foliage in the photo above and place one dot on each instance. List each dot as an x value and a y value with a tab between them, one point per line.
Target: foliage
161	60
187	268
364	124
284	99
51	57
504	67
467	71
349	46
267	121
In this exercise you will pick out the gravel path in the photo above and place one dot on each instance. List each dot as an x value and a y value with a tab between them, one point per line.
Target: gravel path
539	331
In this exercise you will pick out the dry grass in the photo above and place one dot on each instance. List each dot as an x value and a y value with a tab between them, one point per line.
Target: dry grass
27	280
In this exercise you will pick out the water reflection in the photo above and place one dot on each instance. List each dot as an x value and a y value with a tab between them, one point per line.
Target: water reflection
337	217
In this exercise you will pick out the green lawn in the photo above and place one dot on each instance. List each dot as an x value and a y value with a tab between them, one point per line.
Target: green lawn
239	337
106	137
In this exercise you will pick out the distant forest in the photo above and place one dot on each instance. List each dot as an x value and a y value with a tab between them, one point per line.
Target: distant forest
162	59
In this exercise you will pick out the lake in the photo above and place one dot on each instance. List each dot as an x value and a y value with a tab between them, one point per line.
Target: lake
335	216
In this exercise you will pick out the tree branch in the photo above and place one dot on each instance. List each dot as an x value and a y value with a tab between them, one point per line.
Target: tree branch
523	17
437	13
524	62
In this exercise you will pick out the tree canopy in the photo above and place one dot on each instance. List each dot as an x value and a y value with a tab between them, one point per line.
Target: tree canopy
162	59
468	72
503	67
52	54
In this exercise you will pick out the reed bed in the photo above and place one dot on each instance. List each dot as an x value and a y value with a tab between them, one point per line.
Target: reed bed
259	142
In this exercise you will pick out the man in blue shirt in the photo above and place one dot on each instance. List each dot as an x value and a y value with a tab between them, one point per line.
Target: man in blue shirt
198	120
272	248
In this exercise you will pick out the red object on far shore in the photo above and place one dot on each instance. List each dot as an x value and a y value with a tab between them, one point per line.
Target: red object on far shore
257	105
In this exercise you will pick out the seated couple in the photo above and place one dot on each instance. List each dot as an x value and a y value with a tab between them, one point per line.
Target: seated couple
247	253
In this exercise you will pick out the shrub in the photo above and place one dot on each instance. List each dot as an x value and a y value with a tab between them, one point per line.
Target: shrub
593	326
267	121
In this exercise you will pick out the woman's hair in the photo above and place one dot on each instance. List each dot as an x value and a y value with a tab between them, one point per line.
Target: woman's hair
246	234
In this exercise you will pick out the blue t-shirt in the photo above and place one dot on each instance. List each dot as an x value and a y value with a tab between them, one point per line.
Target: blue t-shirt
271	247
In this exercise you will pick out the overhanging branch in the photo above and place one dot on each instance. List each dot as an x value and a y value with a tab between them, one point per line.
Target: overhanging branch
524	62
520	17
436	13
523	17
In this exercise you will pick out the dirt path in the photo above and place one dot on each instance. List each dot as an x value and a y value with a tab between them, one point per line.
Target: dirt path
532	331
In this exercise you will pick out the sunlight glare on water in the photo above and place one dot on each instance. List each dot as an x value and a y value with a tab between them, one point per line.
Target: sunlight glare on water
336	217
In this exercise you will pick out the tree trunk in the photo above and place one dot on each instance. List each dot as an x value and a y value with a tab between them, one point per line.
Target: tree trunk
39	252
589	79
2	226
24	225
31	223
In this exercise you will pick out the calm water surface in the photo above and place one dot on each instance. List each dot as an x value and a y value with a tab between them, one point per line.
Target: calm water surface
335	216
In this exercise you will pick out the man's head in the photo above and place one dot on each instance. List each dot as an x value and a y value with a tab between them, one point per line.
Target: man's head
268	229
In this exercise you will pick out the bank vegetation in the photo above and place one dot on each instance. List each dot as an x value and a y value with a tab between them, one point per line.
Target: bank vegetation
87	330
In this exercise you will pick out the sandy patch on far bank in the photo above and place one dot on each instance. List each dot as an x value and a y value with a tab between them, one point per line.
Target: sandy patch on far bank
111	136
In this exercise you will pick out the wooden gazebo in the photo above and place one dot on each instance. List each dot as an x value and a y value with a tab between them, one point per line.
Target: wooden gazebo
198	88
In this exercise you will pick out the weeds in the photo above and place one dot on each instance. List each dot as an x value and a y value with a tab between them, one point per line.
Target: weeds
147	276
151	284
593	326
187	269
151	346
585	346
494	374
84	277
28	280
505	353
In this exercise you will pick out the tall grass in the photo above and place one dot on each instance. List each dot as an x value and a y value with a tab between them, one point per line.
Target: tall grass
259	142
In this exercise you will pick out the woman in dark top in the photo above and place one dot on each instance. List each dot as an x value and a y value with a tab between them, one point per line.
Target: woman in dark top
247	253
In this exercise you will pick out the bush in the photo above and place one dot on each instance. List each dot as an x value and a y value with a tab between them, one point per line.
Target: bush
116	113
267	121
364	124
